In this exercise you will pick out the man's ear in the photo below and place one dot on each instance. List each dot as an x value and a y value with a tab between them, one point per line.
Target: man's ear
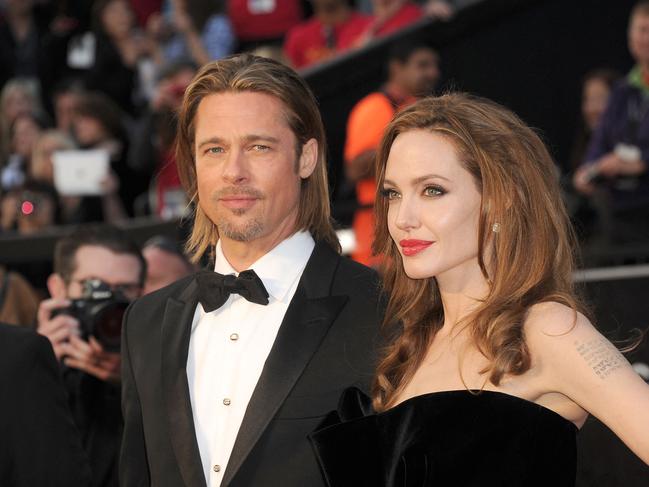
308	158
56	286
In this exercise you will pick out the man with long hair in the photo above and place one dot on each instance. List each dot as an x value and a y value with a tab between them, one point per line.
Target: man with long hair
228	370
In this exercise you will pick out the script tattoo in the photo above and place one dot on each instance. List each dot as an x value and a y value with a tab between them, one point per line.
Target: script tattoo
601	356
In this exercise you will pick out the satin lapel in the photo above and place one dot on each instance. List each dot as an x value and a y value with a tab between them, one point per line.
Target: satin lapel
176	330
307	320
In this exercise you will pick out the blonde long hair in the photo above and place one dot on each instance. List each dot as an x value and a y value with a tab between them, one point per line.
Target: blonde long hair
242	73
530	258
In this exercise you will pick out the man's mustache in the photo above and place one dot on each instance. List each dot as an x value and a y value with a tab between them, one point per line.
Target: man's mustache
237	191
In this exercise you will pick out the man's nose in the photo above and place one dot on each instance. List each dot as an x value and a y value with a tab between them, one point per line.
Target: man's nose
235	168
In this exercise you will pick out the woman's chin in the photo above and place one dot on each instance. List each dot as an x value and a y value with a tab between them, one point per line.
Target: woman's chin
413	271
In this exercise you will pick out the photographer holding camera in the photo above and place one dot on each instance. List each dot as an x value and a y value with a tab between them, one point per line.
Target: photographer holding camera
97	272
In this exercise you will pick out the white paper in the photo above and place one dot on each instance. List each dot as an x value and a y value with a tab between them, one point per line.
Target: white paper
80	172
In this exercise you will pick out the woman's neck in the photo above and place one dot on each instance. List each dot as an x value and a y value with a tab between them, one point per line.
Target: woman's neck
461	295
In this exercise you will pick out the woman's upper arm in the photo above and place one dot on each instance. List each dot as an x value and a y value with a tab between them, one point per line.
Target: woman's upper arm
583	365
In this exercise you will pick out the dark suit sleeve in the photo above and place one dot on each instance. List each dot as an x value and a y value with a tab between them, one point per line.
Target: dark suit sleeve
41	446
133	465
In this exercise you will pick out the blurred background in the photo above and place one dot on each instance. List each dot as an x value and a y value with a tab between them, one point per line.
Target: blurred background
89	90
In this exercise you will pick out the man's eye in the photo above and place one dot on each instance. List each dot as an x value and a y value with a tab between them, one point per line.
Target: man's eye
214	150
434	191
260	148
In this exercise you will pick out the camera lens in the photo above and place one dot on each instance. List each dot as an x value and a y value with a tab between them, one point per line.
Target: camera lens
108	325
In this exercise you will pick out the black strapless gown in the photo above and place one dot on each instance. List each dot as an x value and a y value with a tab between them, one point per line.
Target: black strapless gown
451	438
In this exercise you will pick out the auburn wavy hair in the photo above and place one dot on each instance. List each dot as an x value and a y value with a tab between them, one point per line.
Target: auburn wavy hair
530	259
243	73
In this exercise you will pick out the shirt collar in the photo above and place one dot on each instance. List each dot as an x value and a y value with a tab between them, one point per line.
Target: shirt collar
279	268
636	78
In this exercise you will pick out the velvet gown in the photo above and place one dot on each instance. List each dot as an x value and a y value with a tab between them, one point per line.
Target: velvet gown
451	438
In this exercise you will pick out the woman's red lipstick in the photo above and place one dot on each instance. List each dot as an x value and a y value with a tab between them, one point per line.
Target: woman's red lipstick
412	247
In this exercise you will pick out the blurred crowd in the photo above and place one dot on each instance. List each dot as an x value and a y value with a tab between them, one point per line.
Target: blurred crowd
99	82
88	96
98	271
103	79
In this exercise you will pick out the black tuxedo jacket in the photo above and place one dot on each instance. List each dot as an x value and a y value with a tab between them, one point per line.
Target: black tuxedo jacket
39	444
326	342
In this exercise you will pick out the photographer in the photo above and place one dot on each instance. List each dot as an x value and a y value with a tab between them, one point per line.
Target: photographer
97	271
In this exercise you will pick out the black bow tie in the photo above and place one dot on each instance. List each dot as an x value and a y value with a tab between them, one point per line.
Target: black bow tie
214	288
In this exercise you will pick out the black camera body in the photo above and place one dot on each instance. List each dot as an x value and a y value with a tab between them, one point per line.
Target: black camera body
99	311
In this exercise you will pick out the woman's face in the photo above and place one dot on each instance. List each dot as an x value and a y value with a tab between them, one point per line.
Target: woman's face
26	132
433	208
593	103
17	103
117	19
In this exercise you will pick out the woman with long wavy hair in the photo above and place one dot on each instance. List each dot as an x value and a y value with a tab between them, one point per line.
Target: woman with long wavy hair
491	364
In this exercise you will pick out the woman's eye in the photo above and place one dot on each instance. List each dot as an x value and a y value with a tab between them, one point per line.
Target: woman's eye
390	194
433	191
215	150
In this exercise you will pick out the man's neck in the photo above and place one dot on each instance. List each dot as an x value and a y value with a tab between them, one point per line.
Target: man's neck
241	255
393	88
399	95
644	72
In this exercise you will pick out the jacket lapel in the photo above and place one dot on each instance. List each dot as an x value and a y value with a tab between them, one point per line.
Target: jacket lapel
308	318
176	330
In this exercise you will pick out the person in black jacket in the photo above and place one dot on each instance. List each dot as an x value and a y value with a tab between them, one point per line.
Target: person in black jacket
40	444
94	264
224	377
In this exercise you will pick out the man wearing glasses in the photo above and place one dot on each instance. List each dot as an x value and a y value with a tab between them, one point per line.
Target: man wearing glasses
97	271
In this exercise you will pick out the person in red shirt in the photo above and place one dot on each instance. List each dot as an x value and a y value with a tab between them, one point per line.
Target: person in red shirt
143	9
258	22
389	16
334	27
413	73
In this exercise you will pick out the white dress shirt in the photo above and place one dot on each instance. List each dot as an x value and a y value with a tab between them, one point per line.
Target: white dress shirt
229	347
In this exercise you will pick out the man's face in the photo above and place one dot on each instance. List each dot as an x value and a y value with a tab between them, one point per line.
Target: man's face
120	271
639	38
248	174
19	6
65	106
420	73
327	6
162	268
88	130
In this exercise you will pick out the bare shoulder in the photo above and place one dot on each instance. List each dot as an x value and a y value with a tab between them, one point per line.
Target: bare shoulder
577	367
560	337
553	322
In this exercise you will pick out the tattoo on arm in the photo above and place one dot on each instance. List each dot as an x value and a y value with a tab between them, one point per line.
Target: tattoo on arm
600	355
